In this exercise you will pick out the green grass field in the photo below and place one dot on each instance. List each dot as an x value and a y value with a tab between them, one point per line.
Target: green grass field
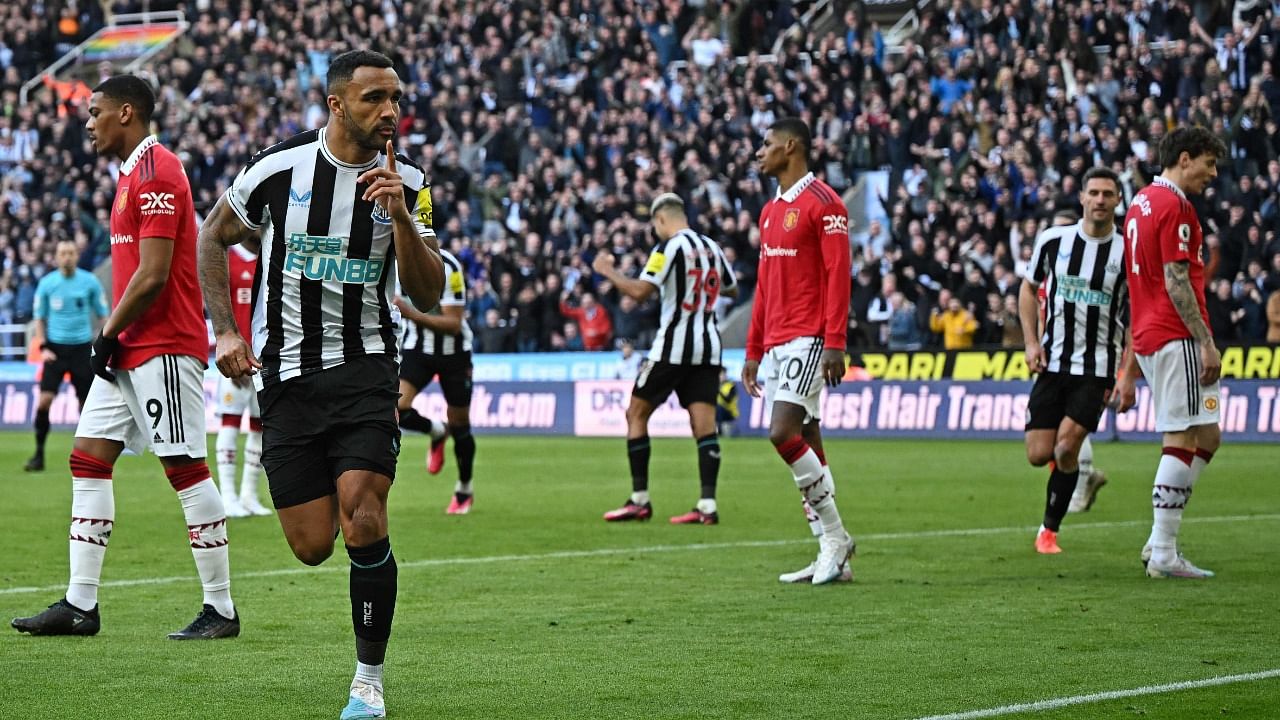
532	607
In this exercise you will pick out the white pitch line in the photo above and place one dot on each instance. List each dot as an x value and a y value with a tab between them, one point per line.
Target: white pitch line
1062	702
647	549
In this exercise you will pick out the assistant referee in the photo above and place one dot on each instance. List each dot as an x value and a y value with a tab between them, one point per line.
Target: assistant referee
69	304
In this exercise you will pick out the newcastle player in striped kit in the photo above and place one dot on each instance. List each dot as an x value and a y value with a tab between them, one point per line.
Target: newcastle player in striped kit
338	215
1172	342
690	272
1081	270
437	344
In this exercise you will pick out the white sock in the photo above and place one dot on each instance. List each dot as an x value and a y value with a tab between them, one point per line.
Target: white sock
818	488
1086	467
640	497
252	465
1168	499
369	674
93	514
226	449
707	506
811	517
1197	466
207	531
462	487
438	429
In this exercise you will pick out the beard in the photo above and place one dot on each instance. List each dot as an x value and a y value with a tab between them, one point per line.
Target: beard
367	139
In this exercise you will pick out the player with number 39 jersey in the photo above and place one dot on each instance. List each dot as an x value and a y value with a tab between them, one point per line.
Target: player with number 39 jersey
690	272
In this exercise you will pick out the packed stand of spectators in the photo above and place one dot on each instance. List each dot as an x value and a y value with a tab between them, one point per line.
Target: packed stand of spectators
990	116
547	130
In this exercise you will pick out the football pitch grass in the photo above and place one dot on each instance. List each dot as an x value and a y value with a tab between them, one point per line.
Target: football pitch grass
533	607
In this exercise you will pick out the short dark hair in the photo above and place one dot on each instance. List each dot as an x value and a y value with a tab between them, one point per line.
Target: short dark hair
796	128
1105	173
1195	141
344	66
133	90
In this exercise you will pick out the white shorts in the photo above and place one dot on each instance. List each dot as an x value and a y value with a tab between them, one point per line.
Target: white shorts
793	374
1173	372
157	405
234	400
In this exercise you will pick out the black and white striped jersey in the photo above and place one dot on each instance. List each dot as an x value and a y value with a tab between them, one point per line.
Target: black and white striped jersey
1086	300
454	293
690	270
322	294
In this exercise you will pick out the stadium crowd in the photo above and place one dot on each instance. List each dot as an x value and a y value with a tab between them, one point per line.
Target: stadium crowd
546	134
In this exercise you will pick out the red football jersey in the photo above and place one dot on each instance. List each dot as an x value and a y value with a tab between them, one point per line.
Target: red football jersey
802	289
153	200
1161	227
241	265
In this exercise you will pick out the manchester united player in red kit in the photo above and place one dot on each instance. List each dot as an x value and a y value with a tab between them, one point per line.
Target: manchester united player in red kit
1172	341
798	322
150	358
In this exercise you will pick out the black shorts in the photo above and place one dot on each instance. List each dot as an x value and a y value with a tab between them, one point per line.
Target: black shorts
72	359
691	383
454	371
320	425
1057	395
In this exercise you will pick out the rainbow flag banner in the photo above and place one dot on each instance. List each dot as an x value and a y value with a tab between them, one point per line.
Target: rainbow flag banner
128	42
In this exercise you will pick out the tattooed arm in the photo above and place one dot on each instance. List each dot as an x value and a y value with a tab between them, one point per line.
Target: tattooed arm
1177	282
222	229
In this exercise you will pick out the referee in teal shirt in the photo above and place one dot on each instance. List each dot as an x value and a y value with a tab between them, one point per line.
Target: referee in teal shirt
69	305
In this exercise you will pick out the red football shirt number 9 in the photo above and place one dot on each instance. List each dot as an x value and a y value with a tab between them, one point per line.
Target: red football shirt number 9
706	285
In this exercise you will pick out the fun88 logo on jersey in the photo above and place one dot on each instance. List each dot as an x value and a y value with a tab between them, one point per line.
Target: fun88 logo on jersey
319	257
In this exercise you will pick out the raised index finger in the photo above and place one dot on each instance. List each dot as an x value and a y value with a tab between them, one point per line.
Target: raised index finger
391	157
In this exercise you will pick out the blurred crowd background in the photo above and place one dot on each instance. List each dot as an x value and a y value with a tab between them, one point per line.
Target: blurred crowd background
547	128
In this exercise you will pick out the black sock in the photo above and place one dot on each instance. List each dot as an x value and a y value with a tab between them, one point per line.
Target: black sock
708	464
411	420
638	456
42	430
373	598
464	451
1058	497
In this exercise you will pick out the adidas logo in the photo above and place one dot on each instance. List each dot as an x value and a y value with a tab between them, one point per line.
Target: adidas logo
785	386
156	438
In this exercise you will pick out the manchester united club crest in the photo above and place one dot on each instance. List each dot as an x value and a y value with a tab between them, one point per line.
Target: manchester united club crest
123	200
791	219
1211	403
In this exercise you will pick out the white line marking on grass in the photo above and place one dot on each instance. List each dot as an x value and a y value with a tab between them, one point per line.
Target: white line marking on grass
1062	702
642	550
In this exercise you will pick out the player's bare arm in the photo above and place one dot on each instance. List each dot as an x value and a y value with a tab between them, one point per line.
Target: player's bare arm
638	290
1177	282
418	260
1125	395
448	322
222	229
750	371
1029	318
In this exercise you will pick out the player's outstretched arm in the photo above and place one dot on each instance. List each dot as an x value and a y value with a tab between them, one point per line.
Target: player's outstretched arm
222	229
1029	317
1177	282
638	290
